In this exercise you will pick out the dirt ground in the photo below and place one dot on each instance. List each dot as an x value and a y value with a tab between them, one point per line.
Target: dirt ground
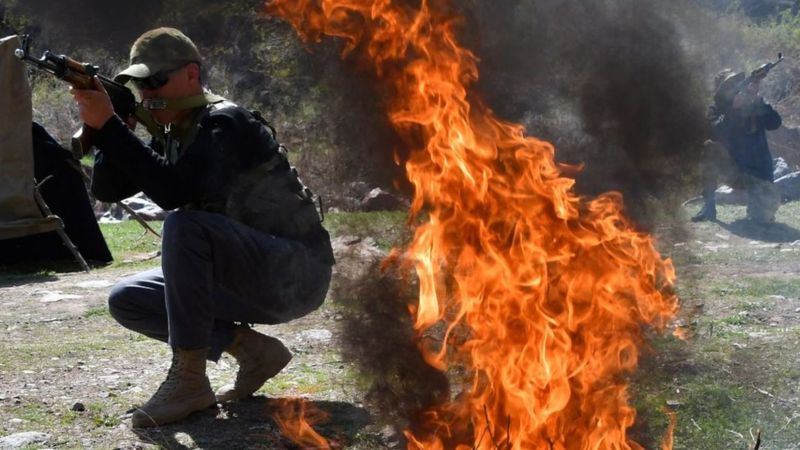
69	371
738	372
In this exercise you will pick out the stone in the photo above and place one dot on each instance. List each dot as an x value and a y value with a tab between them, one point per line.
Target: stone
24	439
380	200
789	186
780	168
140	204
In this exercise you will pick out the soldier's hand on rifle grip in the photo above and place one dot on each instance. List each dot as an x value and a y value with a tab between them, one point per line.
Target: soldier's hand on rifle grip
94	105
747	98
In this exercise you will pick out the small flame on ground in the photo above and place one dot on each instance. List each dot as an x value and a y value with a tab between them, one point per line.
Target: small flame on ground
541	295
682	333
295	418
666	444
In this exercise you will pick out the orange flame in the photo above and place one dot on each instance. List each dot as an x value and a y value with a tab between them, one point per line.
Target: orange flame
296	418
666	444
542	295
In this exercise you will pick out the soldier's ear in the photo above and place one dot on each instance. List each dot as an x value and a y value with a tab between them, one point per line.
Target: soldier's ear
193	71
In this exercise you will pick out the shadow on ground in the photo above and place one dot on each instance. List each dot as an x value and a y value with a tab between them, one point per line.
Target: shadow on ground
13	278
248	424
766	232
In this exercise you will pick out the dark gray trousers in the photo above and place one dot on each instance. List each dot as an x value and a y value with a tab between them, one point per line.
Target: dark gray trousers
216	271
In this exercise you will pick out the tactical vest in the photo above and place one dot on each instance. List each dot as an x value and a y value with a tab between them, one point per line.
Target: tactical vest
269	197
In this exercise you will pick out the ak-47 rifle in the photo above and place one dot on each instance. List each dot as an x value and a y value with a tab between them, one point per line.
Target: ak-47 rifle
761	72
80	75
755	77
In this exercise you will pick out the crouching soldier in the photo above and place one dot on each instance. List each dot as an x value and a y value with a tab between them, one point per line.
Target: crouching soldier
245	245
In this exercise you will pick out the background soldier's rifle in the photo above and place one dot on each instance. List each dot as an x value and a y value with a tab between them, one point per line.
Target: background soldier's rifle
80	75
755	77
761	72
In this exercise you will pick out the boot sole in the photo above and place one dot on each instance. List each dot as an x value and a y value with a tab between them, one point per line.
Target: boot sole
148	421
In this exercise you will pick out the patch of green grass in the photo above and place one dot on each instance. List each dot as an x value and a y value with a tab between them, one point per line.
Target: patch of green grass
749	306
388	228
36	413
69	418
130	236
303	378
128	241
101	418
735	320
709	411
748	288
33	354
98	311
41	417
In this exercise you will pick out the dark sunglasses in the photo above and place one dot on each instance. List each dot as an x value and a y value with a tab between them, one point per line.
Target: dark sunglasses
153	82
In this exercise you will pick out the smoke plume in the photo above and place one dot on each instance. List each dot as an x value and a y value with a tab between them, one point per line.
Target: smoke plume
611	83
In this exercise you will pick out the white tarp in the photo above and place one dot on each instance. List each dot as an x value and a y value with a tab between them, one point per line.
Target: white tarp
19	214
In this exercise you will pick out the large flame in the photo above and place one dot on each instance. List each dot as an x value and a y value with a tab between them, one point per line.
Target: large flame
542	295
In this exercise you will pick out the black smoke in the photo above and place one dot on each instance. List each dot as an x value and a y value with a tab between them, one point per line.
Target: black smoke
619	87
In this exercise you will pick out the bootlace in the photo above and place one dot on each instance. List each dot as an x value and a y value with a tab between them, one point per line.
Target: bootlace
171	382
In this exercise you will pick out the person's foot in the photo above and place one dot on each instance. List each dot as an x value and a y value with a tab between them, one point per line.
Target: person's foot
707	213
185	391
260	358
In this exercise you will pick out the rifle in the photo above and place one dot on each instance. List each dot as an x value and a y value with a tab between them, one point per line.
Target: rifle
761	72
79	75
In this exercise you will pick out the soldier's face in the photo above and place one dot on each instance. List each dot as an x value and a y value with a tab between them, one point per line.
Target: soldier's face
184	82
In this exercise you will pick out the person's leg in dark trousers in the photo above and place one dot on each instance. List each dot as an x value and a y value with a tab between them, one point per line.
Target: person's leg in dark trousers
216	271
709	171
138	303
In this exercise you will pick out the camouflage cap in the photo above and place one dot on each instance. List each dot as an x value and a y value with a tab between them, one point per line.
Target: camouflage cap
159	50
727	84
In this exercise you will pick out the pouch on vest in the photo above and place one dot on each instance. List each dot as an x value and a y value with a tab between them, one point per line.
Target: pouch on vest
271	198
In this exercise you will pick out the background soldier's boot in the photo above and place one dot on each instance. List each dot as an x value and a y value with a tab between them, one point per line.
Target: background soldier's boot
707	212
763	201
260	358
185	391
709	209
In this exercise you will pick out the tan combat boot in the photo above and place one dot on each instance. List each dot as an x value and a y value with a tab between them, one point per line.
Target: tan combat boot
185	391
260	358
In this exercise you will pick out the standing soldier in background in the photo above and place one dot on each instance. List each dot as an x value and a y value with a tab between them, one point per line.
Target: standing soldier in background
246	244
738	151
